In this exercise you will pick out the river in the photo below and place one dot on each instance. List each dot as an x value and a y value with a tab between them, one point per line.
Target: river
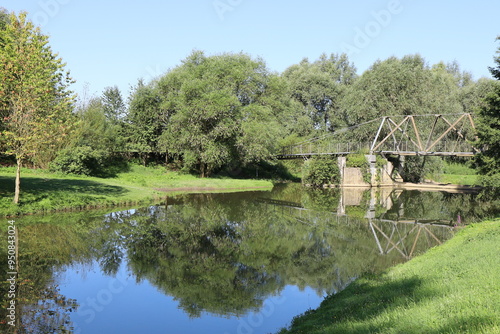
244	262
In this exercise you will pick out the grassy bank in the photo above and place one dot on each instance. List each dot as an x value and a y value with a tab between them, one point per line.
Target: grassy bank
42	191
453	288
456	173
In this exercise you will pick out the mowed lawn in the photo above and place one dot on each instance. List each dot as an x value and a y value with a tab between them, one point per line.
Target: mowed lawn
453	288
42	191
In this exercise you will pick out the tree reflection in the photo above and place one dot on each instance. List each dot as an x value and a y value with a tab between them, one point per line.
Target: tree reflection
44	248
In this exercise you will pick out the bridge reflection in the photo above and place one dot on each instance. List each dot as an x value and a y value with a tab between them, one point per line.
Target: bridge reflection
382	214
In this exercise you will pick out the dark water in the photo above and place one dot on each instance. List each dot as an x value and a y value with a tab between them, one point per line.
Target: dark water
218	263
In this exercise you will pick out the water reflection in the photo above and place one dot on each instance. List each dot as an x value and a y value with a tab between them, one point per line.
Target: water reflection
226	254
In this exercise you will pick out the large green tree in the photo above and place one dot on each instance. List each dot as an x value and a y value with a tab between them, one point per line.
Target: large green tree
488	129
35	102
144	122
319	86
403	86
214	112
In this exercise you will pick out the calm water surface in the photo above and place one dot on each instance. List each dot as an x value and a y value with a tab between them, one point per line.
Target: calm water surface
220	263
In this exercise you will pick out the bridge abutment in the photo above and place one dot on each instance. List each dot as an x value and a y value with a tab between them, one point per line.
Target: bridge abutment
373	175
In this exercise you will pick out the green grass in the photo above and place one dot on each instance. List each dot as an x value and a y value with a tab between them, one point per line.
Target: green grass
453	288
457	173
468	180
42	191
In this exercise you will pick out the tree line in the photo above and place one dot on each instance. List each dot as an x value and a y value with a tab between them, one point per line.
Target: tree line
214	113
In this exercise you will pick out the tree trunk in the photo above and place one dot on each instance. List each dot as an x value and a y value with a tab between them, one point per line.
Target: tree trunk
18	181
202	170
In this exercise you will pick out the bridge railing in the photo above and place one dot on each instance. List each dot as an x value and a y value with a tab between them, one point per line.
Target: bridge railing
312	148
445	147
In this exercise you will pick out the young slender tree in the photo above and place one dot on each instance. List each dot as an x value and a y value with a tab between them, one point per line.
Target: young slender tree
35	103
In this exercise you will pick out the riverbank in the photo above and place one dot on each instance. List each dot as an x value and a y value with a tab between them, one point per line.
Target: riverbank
453	288
43	192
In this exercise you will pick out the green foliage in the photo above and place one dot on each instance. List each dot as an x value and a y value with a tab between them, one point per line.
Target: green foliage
95	129
416	168
458	168
495	71
91	150
35	103
113	106
487	162
396	86
359	161
81	160
457	173
216	112
320	171
319	86
490	181
144	122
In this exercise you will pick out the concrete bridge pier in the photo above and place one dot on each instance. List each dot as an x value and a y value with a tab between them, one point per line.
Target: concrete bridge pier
353	177
401	164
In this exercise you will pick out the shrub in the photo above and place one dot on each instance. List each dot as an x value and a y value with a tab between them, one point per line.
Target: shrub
416	168
82	160
321	170
358	160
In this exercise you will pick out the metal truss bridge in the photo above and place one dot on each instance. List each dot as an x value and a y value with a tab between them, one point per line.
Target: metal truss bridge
410	135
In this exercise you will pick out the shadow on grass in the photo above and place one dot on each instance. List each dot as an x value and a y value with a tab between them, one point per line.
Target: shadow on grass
352	311
360	302
36	189
34	185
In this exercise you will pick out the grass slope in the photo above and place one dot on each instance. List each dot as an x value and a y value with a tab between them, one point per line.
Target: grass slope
456	173
42	191
453	288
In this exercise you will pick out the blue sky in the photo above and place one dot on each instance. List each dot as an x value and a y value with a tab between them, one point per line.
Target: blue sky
111	42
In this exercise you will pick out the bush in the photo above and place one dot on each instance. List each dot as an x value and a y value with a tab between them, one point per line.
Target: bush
490	181
82	160
358	160
321	170
416	168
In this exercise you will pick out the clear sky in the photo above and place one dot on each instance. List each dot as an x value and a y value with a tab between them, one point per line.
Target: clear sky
116	42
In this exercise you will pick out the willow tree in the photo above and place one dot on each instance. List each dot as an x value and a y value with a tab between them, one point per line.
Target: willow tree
214	114
35	103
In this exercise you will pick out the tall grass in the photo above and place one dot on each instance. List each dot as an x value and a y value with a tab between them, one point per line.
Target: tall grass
453	288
